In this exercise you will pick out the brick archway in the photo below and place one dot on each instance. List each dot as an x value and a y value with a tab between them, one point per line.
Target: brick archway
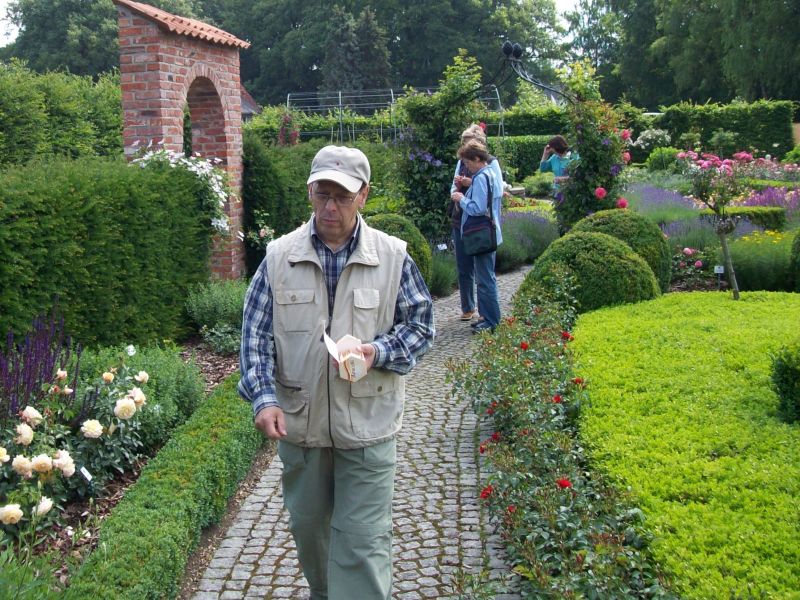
166	63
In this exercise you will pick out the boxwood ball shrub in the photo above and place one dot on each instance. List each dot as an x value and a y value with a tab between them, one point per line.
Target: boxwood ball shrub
606	270
404	229
786	381
639	232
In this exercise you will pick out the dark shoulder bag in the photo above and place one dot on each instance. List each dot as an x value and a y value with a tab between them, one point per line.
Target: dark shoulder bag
479	235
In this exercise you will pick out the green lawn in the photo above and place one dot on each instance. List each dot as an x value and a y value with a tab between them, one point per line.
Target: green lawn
681	412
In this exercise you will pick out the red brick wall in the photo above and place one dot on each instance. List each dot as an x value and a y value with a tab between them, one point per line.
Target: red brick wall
160	72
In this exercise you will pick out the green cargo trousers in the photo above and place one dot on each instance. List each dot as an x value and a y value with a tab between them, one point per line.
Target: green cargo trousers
340	515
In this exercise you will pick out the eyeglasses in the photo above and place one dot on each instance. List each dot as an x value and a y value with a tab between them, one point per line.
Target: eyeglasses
323	198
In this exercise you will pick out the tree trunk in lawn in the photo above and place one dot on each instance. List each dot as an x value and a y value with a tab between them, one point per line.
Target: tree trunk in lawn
726	255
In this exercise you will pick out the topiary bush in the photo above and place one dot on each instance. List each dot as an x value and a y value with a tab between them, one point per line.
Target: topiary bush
640	233
216	307
404	229
606	270
786	381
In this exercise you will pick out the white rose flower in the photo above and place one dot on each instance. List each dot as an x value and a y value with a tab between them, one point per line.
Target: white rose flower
92	429
24	434
142	377
68	469
108	377
10	514
125	408
44	507
61	374
67	391
32	416
138	397
4	457
131	350
22	466
42	463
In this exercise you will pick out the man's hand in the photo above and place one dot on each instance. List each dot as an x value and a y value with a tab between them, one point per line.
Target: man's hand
368	350
270	422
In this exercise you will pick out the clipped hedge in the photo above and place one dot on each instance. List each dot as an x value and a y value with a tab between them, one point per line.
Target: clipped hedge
681	413
640	233
786	381
761	124
117	245
521	153
57	114
547	121
403	228
606	270
145	543
768	217
794	263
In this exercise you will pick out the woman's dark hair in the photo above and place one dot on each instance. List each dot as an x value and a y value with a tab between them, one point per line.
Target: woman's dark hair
474	150
558	143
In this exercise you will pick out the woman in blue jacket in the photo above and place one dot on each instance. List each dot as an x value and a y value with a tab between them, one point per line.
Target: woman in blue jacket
484	192
556	158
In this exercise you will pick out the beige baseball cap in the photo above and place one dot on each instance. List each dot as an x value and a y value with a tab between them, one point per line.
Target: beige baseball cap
348	167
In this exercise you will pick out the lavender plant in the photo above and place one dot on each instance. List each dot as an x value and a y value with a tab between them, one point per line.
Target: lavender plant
28	367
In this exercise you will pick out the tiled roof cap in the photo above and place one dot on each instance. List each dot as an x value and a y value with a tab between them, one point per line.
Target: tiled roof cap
184	26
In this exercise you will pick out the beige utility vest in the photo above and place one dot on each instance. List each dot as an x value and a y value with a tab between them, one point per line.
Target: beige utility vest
322	409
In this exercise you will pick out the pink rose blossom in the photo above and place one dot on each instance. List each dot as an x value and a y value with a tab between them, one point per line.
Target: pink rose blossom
698	264
625	135
688	251
622	203
600	193
626	156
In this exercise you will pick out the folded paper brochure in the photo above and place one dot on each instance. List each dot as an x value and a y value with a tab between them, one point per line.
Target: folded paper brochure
352	365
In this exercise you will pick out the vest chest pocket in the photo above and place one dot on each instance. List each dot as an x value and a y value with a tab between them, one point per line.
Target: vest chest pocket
366	303
294	310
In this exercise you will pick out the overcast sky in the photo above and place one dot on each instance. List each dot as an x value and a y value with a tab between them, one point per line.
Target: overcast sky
7	32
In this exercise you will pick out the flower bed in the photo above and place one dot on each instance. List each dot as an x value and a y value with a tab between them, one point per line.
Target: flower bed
681	413
568	533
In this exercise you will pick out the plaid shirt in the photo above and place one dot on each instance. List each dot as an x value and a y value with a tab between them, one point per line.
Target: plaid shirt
397	350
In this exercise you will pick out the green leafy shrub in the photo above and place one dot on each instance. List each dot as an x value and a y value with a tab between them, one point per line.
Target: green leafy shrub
118	247
216	307
768	217
145	543
520	154
444	274
762	261
793	155
644	237
786	382
794	262
606	270
175	387
510	255
681	413
404	229
663	159
530	231
538	185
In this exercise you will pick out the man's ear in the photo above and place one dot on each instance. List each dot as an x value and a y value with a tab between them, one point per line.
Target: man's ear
362	195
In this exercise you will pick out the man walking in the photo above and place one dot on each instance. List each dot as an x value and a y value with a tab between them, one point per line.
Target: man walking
335	275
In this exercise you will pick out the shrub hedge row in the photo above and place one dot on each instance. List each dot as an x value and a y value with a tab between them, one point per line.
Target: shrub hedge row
681	413
57	114
117	245
145	542
764	125
768	217
519	155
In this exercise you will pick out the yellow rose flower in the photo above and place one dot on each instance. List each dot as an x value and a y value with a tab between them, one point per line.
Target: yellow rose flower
142	377
10	514
125	408
108	377
92	429
22	466
42	463
138	397
4	457
24	434
32	416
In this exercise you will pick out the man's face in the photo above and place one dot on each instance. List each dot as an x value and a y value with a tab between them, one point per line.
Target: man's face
335	210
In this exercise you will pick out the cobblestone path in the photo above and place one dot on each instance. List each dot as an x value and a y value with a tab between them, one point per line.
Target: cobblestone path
440	533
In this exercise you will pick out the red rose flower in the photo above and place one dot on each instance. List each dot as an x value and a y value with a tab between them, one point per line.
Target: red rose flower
626	156
486	492
566	335
557	399
600	193
562	483
511	509
495	437
482	447
625	135
510	320
578	381
523	345
622	203
490	411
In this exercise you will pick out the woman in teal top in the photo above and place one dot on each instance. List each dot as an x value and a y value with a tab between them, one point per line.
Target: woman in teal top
555	158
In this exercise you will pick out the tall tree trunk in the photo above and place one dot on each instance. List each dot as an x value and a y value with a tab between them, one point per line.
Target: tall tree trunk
726	255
